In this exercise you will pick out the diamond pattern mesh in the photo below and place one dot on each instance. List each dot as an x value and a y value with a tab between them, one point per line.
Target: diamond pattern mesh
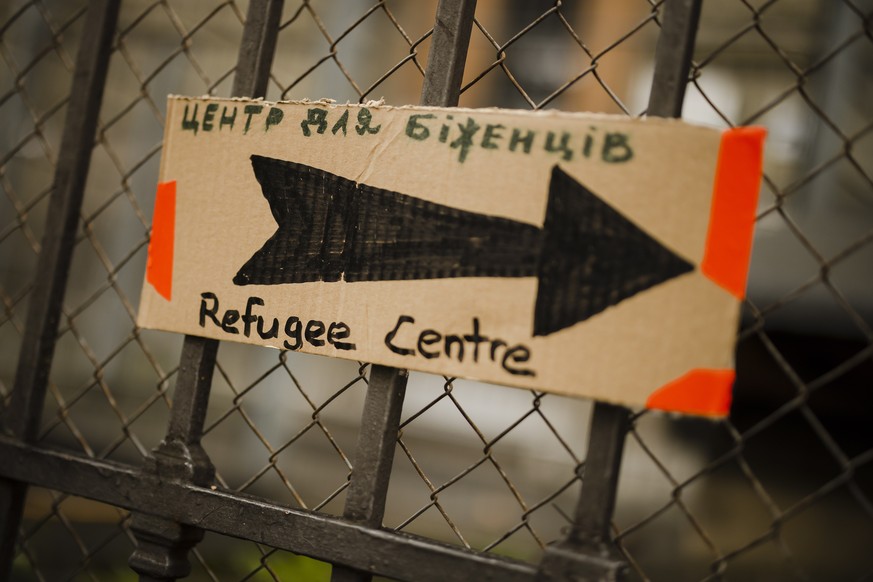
783	489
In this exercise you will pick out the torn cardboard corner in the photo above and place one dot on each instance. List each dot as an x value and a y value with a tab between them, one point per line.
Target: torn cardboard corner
586	255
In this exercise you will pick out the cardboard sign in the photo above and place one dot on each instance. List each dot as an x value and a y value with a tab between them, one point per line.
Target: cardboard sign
581	254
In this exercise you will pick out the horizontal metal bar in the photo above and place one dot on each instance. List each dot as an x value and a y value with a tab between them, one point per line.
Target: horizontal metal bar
323	537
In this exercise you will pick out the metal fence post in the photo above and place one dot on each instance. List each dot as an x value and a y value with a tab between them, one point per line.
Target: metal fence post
448	53
374	455
162	553
163	544
380	421
46	301
673	57
587	552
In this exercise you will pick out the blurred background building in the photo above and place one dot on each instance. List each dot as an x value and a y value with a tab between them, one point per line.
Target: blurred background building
783	489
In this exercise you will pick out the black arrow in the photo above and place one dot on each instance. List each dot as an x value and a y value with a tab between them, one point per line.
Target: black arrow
587	256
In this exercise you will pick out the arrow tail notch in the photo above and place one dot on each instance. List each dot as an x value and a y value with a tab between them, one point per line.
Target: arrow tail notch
331	228
310	239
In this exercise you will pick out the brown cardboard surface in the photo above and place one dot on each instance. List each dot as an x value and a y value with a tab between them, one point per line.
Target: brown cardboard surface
658	174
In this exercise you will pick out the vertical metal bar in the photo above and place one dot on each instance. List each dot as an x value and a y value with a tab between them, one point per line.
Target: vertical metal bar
587	552
368	488
673	57
180	455
448	53
257	48
609	425
53	267
163	545
380	421
376	442
189	405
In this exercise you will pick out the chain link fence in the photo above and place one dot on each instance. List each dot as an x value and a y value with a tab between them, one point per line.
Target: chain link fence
783	489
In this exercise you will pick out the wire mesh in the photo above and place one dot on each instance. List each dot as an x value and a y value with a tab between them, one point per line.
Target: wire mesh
783	489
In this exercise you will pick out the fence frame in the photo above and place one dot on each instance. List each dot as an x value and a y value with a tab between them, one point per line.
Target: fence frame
172	497
24	412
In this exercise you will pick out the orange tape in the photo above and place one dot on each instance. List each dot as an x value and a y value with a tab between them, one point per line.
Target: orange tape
159	267
734	201
705	392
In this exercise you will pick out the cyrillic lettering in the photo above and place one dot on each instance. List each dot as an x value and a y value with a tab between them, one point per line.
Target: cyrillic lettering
613	142
226	119
465	141
274	117
526	141
416	130
563	147
317	117
190	124
209	116
250	110
364	120
491	133
341	123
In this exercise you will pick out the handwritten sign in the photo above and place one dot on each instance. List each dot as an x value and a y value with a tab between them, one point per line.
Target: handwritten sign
579	254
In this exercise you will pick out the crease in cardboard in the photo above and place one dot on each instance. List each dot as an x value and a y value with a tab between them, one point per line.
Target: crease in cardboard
374	156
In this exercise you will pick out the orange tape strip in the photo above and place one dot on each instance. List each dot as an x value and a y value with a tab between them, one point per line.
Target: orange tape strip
159	267
705	392
734	201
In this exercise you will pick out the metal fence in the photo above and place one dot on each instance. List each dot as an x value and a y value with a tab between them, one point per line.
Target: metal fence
295	469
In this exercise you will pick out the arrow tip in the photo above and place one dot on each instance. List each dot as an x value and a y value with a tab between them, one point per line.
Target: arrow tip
593	257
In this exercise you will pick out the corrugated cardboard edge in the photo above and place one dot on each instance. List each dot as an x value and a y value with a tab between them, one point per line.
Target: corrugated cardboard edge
380	104
145	300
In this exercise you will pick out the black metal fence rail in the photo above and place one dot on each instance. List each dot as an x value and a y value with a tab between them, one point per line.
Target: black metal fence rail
86	394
